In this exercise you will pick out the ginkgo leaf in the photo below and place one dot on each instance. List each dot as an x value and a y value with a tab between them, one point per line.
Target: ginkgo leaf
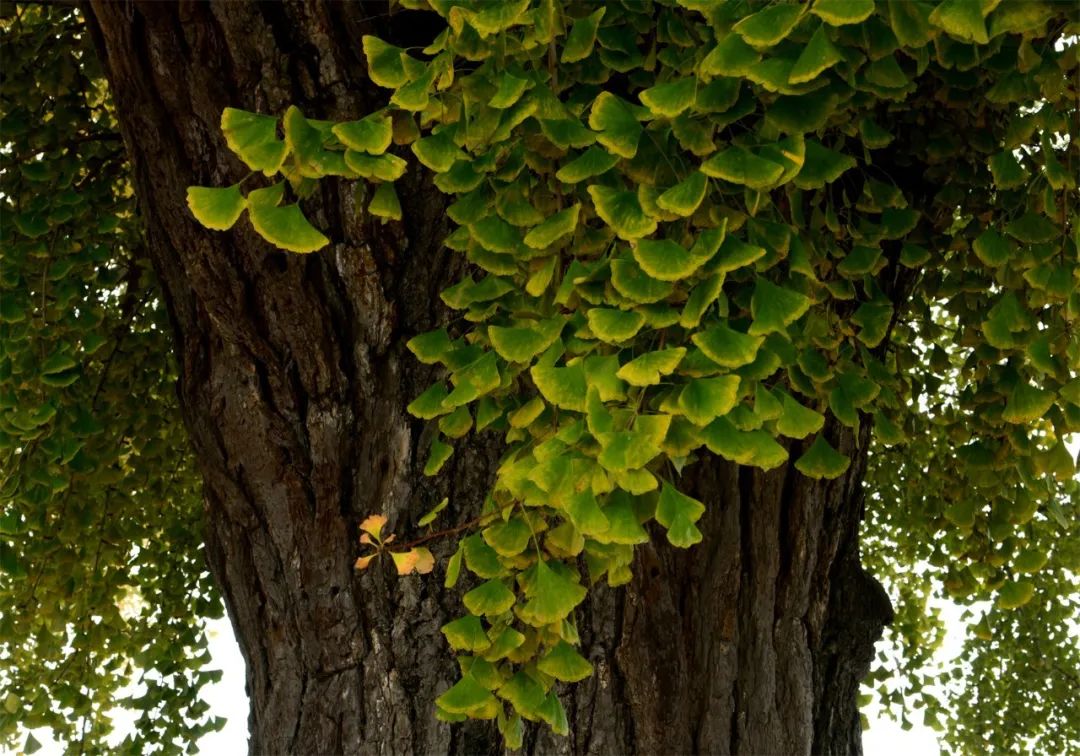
551	594
466	634
508	538
593	162
822	166
685	197
632	282
564	387
437	457
554	228
622	212
509	92
798	421
579	42
962	19
489	598
731	57
817	56
671	98
438	152
384	167
740	166
665	260
564	663
614	326
768	27
284	227
525	694
215	208
756	448
647	369
701	298
842	12
702	400
385	203
430	347
616	125
992	248
385	65
774	308
678	512
467	697
585	513
253	138
727	347
1027	403
625	527
822	461
372	134
522	343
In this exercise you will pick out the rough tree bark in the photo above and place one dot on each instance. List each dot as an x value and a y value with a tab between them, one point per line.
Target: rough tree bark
293	385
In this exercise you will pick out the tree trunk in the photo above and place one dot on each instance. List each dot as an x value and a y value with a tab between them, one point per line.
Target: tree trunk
294	380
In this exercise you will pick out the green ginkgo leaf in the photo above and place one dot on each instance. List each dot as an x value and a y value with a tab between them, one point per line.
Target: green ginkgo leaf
1015	594
386	66
702	400
962	19
385	167
305	139
822	461
801	114
798	421
437	457
372	134
678	512
671	98
551	594
522	343
701	297
284	227
625	527
756	448
740	166
579	42
616	125
1033	228
554	228
385	203
564	387
466	634
632	282
992	248
734	254
768	27
665	260
525	694
685	197
774	308
253	138
613	325
585	513
567	133
1027	403
727	347
429	404
822	166
508	538
622	212
910	23
438	151
647	369
430	347
480	558
731	57
216	208
593	162
564	663
510	90
842	12
496	235
468	698
489	598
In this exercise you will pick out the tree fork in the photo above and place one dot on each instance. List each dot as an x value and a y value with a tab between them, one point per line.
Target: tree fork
293	385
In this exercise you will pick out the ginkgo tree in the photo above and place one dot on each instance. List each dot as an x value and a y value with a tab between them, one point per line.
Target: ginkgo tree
687	288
